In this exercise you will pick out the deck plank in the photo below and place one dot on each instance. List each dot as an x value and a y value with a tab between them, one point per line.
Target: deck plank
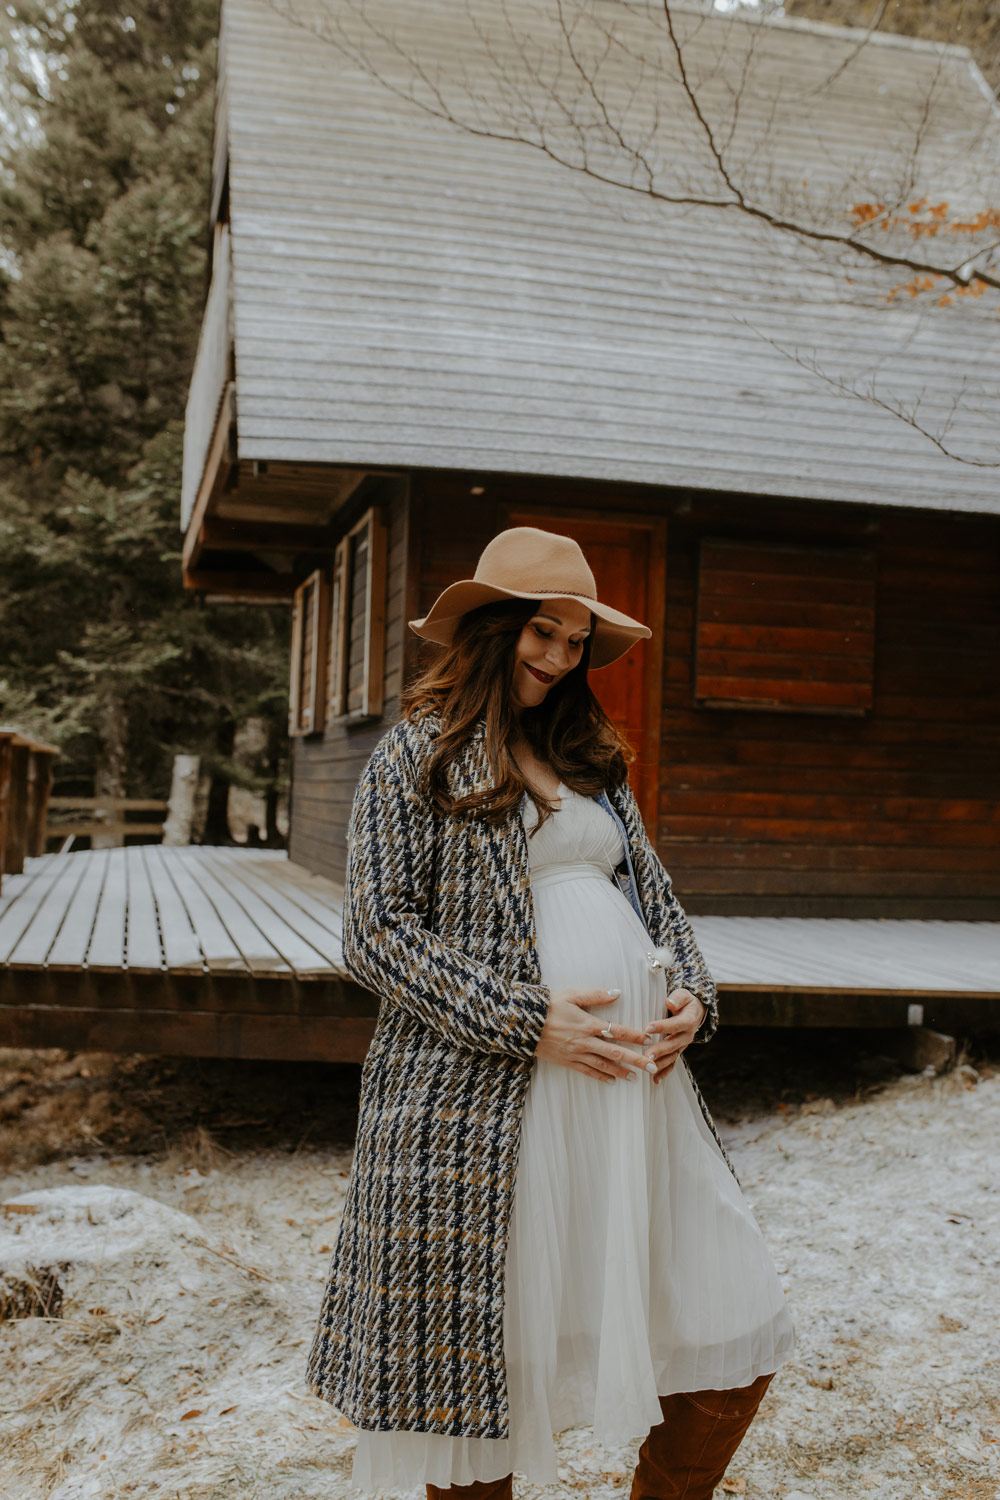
259	955
230	911
69	951
319	898
182	949
33	949
853	953
286	870
143	949
301	956
23	897
219	951
107	942
319	947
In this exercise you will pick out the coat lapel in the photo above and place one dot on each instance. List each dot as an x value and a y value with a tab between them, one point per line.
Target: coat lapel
505	847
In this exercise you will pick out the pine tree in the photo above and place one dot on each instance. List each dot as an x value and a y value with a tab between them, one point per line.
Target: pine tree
104	204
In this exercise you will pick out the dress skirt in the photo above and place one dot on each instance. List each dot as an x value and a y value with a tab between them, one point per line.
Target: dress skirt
635	1267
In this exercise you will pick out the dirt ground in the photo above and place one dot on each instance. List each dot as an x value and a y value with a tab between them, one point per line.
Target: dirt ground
166	1227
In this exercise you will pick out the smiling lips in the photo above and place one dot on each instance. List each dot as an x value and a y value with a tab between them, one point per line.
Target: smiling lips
542	676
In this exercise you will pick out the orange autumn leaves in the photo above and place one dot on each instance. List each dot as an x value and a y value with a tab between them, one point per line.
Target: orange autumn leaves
925	220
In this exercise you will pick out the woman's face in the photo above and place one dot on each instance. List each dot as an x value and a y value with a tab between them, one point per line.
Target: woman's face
549	646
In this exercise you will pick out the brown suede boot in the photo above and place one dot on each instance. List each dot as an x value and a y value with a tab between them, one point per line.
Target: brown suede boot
482	1489
686	1455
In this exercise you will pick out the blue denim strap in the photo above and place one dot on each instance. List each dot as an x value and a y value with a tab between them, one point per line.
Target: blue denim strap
630	887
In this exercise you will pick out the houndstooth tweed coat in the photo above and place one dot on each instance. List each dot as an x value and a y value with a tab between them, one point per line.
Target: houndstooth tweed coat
438	921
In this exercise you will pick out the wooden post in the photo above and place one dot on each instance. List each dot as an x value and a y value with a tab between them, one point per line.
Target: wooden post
39	787
180	808
6	735
17	805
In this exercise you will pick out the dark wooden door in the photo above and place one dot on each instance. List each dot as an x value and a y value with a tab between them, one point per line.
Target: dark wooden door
628	558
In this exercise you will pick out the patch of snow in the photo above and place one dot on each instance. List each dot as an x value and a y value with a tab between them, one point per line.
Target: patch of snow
176	1370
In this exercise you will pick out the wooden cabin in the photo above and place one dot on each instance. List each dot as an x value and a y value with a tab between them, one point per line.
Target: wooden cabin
418	333
416	336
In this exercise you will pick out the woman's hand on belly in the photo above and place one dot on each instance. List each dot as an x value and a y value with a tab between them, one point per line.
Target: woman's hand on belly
572	1038
675	1033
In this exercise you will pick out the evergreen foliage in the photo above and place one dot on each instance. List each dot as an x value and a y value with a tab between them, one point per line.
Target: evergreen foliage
104	198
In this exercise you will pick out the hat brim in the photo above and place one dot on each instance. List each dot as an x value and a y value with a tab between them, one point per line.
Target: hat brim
614	632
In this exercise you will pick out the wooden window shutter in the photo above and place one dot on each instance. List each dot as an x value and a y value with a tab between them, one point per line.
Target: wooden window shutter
310	635
357	648
786	628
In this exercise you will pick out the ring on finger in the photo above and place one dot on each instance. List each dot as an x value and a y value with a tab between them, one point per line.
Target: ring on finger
608	1034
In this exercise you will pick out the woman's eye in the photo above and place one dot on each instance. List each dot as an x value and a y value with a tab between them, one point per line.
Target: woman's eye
545	634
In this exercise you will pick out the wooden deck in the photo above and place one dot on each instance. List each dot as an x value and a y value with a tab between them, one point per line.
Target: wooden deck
151	909
833	971
200	950
237	952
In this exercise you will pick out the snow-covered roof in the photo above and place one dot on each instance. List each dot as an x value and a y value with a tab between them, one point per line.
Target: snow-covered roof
409	292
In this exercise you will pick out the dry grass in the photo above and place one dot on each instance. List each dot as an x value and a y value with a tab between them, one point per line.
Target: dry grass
187	1210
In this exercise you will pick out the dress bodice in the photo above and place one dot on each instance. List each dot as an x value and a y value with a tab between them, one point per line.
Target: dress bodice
579	832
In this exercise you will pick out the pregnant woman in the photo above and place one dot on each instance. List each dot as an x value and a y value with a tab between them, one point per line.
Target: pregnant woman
542	1228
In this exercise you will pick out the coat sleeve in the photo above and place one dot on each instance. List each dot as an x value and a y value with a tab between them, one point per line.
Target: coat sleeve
387	945
693	974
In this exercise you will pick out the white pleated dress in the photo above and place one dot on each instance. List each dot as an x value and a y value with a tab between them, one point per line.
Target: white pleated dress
635	1267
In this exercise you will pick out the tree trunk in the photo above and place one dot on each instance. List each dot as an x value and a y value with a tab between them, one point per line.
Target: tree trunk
276	740
112	764
183	791
216	829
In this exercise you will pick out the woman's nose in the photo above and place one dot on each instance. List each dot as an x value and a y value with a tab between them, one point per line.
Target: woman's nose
558	655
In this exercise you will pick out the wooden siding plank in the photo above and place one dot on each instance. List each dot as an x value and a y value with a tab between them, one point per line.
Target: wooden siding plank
755	668
795	830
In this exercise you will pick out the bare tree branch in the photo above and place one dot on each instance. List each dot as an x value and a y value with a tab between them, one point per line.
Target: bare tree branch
433	102
866	388
852	56
591	94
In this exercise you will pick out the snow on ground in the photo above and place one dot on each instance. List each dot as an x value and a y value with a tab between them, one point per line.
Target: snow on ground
191	1279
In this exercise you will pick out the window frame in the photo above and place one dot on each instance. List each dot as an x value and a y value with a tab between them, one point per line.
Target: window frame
373	624
310	722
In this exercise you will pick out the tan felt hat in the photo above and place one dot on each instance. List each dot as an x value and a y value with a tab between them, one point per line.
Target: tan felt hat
526	563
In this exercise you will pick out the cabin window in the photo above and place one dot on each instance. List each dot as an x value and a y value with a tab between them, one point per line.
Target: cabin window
357	621
785	628
310	627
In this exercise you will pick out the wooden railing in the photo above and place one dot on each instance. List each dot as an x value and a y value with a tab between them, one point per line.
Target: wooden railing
25	784
89	817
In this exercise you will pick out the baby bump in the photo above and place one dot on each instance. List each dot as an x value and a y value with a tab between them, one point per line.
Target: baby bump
589	938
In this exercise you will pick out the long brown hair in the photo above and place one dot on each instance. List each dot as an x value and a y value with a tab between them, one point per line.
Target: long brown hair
473	679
